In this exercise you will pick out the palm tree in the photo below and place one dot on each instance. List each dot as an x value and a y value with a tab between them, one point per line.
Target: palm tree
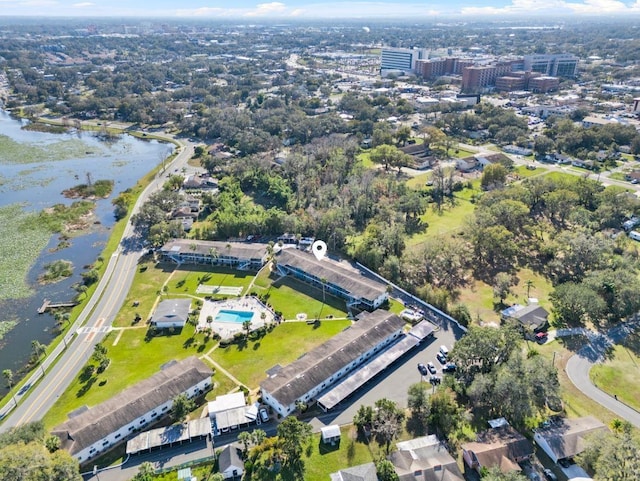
8	375
528	284
213	253
38	349
246	325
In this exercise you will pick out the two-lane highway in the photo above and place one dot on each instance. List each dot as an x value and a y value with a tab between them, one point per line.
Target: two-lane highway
99	313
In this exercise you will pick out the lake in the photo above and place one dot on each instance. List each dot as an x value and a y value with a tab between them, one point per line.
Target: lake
35	168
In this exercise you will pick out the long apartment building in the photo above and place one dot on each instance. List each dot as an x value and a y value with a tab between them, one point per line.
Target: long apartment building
318	370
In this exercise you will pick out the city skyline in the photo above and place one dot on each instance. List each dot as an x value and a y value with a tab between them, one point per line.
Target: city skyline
310	9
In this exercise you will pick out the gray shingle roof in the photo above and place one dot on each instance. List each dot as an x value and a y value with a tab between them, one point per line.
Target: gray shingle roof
172	310
239	250
362	472
228	458
98	422
349	279
566	436
317	366
532	315
425	459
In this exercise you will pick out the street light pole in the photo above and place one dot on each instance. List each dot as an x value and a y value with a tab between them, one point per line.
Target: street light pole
553	362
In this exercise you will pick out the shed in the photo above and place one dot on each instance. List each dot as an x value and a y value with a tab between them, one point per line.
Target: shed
330	434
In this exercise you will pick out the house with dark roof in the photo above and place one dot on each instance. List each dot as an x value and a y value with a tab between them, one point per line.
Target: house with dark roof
502	447
316	371
565	438
96	430
533	317
239	255
230	463
171	313
362	472
337	278
424	459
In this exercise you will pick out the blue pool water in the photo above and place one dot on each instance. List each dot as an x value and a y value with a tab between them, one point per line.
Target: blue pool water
233	316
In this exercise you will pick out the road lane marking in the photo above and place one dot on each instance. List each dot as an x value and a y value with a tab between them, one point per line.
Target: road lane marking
76	354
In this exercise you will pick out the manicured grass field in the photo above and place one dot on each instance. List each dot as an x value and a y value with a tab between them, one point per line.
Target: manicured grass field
291	297
186	279
249	361
327	459
145	289
620	374
150	278
132	360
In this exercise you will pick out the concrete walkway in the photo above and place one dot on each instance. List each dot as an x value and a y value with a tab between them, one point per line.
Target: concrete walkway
579	365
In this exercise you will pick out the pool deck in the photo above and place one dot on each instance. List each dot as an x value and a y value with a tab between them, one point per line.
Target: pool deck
228	329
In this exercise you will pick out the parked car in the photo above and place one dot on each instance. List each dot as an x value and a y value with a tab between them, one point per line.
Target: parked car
450	367
431	367
423	369
549	474
541	337
444	350
441	358
264	415
435	380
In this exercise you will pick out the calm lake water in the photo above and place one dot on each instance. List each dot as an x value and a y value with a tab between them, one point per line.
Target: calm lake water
35	168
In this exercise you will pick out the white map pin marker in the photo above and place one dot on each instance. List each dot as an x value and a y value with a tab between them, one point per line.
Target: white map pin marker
319	249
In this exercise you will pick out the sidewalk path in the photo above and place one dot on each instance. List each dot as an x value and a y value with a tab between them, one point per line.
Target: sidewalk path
579	365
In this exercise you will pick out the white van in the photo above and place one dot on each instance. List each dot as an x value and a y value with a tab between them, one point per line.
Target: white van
444	350
635	235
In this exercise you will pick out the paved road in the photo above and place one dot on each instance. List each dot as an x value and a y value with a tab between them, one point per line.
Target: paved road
593	352
96	318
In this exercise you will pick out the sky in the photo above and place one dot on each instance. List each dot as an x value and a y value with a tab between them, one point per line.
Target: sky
315	9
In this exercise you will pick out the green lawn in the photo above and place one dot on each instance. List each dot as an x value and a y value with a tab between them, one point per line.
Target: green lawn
150	278
449	221
132	360
146	287
618	176
292	297
325	460
288	341
419	181
187	278
522	171
620	374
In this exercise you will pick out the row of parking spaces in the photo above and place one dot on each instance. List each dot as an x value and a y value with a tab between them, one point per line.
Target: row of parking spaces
431	370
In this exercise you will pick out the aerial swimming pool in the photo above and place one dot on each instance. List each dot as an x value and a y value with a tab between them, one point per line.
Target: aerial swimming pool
238	317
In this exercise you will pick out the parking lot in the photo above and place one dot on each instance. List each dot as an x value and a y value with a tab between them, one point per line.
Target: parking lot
395	381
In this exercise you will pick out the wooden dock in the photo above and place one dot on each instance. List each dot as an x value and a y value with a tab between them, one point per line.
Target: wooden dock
49	304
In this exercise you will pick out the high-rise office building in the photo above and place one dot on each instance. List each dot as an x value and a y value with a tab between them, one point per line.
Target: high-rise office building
401	59
556	65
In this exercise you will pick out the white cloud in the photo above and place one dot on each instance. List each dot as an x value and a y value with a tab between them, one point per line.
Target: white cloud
83	5
264	9
557	7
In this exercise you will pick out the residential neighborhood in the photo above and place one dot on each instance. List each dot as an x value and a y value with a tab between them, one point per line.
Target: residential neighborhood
298	248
